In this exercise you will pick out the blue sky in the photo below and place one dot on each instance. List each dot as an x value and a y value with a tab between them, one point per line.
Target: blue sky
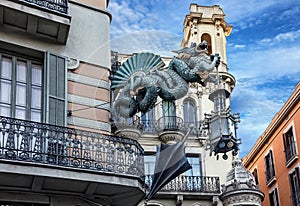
263	49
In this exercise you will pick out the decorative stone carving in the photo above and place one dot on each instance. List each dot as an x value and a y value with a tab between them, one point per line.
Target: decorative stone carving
72	64
240	187
170	137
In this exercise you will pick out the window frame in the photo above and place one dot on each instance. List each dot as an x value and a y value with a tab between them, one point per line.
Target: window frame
198	157
292	141
29	62
295	189
275	192
42	59
255	175
150	154
270	171
186	107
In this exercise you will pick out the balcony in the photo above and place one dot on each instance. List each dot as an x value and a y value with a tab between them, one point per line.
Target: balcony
189	185
135	127
43	18
128	127
170	129
54	5
40	157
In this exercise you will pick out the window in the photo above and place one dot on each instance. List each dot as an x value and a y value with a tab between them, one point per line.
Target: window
189	114
255	175
31	90
169	114
295	187
289	145
20	88
147	121
274	198
207	38
269	166
196	167
149	163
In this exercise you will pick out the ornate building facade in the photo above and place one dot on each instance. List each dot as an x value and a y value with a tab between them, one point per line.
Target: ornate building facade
202	184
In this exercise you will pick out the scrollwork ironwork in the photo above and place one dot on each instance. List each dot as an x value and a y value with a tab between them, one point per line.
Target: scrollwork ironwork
28	141
203	184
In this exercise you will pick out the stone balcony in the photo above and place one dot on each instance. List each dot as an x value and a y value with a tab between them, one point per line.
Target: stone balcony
201	186
47	159
42	18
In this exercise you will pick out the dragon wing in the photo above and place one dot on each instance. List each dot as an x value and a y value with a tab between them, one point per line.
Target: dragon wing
141	62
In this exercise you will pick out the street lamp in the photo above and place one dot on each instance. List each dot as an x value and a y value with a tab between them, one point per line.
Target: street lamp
222	125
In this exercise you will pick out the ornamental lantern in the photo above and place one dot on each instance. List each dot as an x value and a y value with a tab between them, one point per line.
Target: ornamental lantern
222	125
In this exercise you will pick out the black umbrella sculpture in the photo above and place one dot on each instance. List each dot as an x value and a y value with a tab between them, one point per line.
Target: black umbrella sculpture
171	161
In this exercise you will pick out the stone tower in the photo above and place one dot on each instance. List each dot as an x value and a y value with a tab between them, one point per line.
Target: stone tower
207	23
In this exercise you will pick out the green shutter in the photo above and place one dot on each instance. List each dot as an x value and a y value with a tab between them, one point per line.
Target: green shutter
56	100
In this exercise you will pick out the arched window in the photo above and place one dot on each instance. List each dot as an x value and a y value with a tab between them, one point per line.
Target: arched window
207	38
189	112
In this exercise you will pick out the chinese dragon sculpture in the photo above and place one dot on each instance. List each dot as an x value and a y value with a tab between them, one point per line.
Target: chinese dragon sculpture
144	77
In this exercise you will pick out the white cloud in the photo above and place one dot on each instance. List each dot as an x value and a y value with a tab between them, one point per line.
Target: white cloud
258	100
288	36
276	61
259	68
239	46
158	42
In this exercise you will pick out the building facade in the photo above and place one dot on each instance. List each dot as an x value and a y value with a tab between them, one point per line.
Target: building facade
274	158
201	185
55	142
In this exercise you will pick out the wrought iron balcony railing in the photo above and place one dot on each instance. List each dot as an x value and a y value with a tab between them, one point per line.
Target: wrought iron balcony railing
199	184
28	141
125	123
153	126
169	123
148	126
54	5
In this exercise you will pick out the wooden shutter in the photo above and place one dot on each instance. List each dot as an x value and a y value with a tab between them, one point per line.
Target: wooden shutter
56	91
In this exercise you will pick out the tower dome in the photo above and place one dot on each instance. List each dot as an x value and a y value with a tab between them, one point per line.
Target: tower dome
240	187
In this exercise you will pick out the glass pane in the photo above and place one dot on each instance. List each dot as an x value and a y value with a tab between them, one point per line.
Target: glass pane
36	115
192	114
61	78
60	115
194	162
149	162
5	110
53	75
20	112
52	111
6	68
5	94
36	97
36	74
21	71
21	95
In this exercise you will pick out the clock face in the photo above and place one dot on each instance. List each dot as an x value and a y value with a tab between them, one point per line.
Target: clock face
230	144
222	144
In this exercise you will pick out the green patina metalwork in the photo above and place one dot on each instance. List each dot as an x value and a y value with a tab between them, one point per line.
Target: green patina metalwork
143	77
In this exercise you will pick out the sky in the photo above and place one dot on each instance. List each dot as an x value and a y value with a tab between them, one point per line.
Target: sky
263	50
